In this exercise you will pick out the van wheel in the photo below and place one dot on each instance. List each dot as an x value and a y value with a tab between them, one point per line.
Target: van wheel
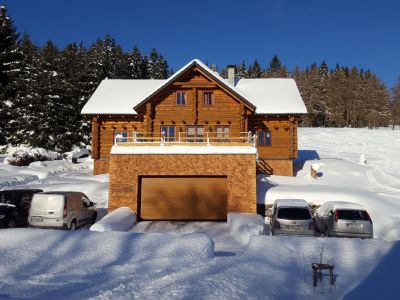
327	231
73	225
11	223
94	218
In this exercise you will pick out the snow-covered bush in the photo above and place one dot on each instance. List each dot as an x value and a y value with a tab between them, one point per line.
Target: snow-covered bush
23	156
77	153
121	219
244	225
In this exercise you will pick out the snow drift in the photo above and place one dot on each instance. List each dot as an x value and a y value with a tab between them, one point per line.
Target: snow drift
121	219
245	225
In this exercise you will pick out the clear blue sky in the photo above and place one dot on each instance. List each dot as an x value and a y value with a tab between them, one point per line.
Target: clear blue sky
364	33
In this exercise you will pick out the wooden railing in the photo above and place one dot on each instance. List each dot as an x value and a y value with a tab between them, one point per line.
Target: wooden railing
208	138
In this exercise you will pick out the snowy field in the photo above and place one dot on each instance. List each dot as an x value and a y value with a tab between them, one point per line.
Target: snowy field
203	260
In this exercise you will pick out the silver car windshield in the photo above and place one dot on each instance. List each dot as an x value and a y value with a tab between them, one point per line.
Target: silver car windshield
293	213
353	215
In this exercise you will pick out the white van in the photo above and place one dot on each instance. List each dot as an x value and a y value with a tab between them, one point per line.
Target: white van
61	210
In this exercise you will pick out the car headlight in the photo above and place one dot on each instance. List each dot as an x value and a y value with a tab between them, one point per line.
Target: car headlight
2	216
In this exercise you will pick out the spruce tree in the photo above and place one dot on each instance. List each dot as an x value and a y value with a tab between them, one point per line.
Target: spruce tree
10	59
255	71
135	61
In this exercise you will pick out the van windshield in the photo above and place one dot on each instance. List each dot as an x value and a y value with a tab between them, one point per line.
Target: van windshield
294	213
353	215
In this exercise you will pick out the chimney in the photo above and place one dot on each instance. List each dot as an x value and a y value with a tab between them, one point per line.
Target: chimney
231	74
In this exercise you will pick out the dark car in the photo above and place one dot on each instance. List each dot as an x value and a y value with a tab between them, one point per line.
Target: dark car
14	207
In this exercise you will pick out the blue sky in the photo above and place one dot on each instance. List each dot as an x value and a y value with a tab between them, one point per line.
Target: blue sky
350	32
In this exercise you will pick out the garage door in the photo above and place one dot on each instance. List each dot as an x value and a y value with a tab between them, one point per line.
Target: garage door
183	198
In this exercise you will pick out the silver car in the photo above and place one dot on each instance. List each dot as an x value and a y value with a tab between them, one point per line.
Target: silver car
291	217
343	219
62	210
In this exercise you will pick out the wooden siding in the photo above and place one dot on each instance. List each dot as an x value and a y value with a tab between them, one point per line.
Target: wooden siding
283	136
183	198
227	110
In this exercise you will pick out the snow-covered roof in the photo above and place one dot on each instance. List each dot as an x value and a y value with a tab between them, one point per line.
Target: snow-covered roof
119	96
273	95
266	96
210	72
290	203
184	149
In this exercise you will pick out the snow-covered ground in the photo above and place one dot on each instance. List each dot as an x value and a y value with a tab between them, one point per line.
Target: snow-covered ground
169	261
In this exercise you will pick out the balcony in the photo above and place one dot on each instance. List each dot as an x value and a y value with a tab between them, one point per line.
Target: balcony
183	139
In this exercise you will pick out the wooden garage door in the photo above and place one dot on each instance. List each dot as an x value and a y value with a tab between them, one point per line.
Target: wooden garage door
183	198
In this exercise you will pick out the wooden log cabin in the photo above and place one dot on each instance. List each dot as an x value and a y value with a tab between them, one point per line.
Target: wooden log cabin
189	147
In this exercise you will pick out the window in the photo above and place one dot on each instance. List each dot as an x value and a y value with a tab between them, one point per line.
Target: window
264	138
168	132
222	133
208	98
195	134
181	98
121	136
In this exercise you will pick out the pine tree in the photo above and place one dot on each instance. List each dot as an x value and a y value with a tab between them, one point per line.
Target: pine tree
135	63
395	104
25	85
242	71
10	59
255	70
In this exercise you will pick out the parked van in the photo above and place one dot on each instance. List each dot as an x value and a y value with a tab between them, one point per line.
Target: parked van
61	210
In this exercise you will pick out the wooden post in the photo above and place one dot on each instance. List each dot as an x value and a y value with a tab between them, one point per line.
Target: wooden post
95	138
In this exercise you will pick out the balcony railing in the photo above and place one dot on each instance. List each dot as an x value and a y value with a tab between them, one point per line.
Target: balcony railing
182	138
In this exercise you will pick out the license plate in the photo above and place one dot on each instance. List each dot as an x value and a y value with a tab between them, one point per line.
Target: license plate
352	225
36	219
294	227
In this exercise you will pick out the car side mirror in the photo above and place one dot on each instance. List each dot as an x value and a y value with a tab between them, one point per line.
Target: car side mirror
269	213
91	204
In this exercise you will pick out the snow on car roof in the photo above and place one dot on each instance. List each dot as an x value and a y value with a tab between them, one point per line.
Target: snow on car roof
290	202
342	205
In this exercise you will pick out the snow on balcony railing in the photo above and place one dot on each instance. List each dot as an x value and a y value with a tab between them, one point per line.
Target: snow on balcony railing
208	138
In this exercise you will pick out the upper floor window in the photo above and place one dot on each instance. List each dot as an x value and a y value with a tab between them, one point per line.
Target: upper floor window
168	132
181	98
121	136
264	138
208	98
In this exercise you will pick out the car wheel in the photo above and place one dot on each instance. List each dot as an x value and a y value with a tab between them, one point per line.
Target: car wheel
11	223
73	225
94	218
327	231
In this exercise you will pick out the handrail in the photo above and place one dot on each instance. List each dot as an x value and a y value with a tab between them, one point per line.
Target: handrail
223	139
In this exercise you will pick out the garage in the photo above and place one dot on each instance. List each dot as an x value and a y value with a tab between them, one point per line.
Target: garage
183	198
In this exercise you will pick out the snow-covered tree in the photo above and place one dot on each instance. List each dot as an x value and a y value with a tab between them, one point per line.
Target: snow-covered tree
10	59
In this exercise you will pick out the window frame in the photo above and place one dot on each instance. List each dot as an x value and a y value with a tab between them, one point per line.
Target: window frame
124	134
180	98
196	135
225	135
211	99
264	138
168	137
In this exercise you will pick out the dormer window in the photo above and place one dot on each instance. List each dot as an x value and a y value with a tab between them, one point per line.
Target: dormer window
208	98
181	98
